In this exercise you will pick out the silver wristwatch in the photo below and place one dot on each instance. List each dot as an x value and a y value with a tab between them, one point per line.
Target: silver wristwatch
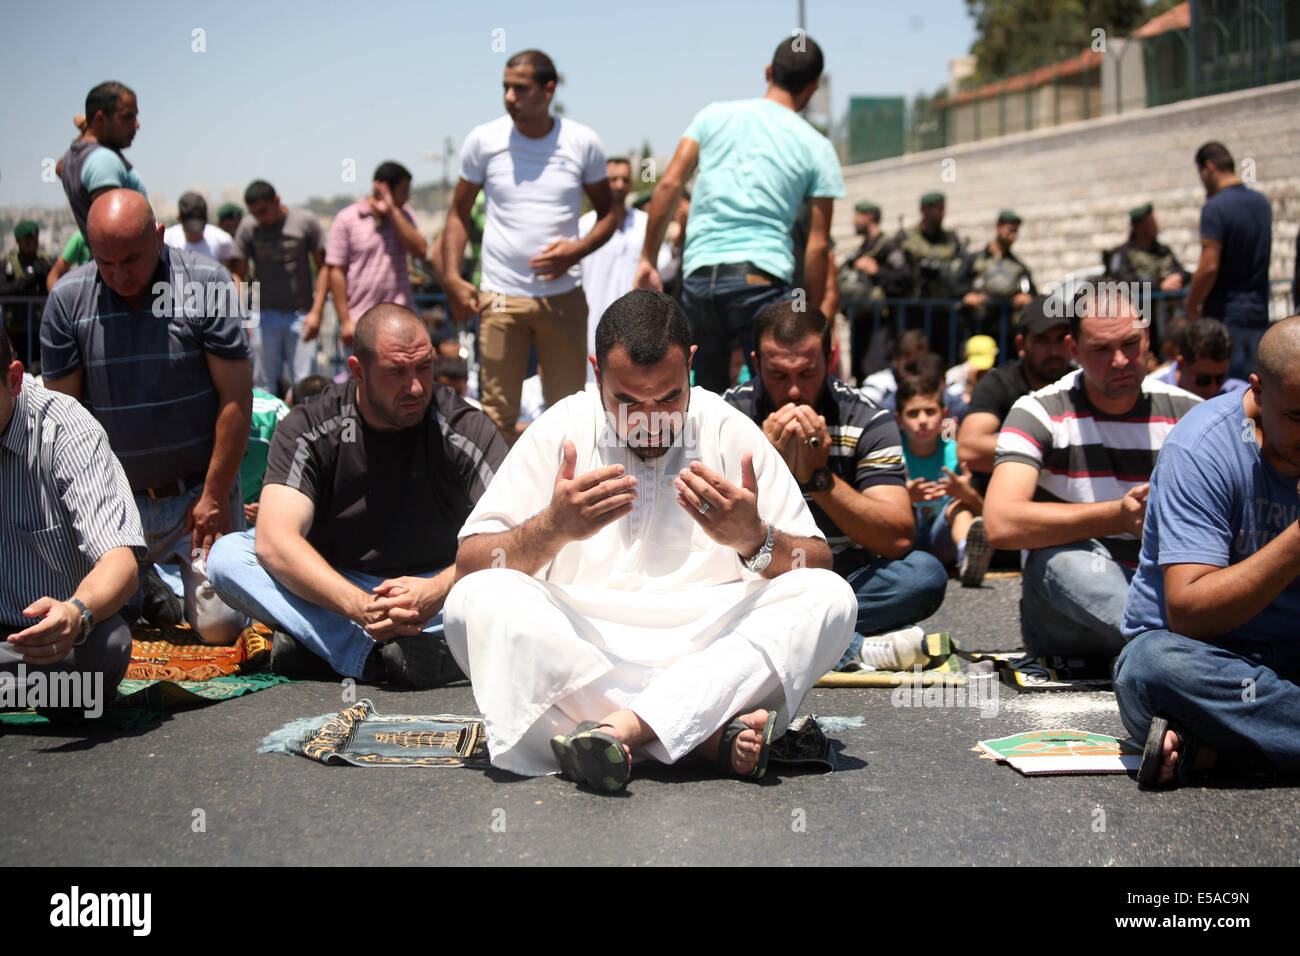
759	562
87	620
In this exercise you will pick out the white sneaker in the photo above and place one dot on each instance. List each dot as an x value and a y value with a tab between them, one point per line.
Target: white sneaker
895	651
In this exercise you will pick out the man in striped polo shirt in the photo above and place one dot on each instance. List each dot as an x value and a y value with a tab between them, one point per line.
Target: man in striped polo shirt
1070	479
69	534
152	339
846	454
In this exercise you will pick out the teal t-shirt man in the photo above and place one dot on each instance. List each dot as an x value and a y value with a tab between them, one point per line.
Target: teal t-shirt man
758	163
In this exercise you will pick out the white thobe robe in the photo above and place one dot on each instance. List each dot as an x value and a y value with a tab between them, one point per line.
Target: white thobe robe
650	613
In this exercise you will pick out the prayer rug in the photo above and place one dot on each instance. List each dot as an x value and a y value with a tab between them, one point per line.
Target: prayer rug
363	737
142	702
174	653
944	667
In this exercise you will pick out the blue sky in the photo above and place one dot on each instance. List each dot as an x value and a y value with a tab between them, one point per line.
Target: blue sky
287	91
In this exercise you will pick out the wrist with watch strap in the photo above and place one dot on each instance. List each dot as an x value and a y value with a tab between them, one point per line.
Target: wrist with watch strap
87	620
759	561
821	480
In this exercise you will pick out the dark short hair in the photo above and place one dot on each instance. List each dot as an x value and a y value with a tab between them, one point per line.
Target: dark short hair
1086	295
309	387
911	386
6	349
259	190
1204	338
789	326
104	98
1216	155
374	319
793	70
910	341
543	68
646	323
391	173
448	367
618	159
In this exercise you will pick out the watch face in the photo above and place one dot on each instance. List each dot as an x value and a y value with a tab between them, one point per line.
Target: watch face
761	562
822	480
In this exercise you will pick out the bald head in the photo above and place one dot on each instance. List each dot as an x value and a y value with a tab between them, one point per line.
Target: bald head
390	321
126	242
120	214
1278	360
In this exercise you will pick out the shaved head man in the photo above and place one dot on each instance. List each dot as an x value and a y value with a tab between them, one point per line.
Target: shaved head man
153	338
1209	676
365	489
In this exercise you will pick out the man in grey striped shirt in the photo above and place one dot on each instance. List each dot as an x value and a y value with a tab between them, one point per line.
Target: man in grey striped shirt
1071	476
69	535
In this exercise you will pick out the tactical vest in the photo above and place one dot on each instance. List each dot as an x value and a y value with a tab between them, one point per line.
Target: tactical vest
1147	265
998	277
856	287
936	265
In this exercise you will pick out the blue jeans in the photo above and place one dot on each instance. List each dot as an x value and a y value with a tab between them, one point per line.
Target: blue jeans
278	347
1240	698
937	539
1245	347
894	594
721	305
1072	601
235	572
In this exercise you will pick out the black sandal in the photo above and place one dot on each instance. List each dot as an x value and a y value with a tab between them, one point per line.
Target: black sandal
729	735
1187	746
588	756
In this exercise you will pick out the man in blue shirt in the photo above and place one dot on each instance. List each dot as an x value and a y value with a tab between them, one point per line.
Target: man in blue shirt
1210	672
1231	280
94	163
758	161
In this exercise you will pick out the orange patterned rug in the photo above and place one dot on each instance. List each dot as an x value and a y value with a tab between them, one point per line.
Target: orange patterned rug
175	654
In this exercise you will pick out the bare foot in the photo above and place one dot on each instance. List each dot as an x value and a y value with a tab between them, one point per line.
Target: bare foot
1170	756
748	744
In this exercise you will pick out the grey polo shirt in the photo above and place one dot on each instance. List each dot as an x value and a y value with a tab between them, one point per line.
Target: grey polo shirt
146	369
64	503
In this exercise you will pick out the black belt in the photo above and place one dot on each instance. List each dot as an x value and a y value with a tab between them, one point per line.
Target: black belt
173	488
729	269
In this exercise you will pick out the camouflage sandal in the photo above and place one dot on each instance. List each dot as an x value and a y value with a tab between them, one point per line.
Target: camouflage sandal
588	756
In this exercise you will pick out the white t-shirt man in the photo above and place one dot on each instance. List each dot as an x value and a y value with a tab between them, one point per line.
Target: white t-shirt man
215	244
534	190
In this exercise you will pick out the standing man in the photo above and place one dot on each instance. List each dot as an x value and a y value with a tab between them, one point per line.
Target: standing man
859	283
608	273
758	161
94	163
533	168
195	233
169	379
283	244
61	588
26	272
368	245
1070	482
995	277
1143	258
846	454
1231	280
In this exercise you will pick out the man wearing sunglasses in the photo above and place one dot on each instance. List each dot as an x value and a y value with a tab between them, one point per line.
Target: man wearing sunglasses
1204	351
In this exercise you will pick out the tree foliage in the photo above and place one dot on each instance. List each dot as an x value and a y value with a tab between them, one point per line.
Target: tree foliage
1013	36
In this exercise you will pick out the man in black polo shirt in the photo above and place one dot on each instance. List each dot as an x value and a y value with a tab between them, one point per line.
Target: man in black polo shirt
1043	358
365	490
846	454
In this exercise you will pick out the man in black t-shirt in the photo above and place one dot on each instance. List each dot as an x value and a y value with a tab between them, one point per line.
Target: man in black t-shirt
365	490
1043	358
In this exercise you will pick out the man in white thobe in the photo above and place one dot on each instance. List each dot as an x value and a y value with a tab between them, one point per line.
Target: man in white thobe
644	559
